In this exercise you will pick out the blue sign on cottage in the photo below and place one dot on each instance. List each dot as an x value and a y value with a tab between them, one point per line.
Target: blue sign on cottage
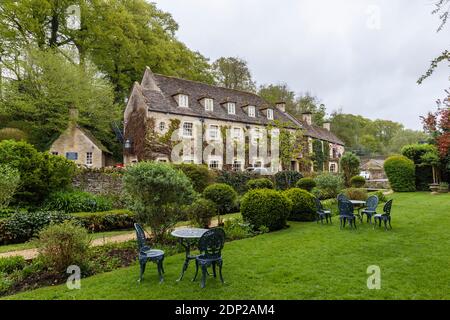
72	155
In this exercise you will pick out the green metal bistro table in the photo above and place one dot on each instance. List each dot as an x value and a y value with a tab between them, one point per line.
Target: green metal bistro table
359	204
187	237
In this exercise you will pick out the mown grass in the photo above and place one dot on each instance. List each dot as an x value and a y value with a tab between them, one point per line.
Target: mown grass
306	261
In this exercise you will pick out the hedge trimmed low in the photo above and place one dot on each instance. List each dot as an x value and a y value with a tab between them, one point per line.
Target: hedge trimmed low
106	221
303	205
265	207
306	184
357	181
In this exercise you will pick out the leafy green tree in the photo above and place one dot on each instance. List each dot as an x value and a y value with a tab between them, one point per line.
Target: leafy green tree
274	93
405	137
157	193
349	164
233	73
9	183
38	103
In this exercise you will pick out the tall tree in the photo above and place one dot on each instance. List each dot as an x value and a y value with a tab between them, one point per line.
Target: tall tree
233	73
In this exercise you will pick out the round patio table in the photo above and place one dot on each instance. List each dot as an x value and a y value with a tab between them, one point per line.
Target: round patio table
187	237
359	205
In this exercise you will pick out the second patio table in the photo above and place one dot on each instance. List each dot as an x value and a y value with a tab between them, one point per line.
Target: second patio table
187	237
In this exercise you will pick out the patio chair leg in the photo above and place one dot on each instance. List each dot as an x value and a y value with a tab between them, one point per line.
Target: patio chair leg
203	281
142	268
220	271
159	265
196	270
214	269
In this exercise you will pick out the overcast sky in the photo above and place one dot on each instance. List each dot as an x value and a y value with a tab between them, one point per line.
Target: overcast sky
362	56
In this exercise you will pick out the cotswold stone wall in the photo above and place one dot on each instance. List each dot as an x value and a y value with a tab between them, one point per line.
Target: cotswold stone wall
105	182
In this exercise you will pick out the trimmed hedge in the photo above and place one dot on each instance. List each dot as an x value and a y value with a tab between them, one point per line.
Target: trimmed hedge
303	205
401	173
266	208
222	195
357	182
261	183
286	179
306	184
199	175
106	221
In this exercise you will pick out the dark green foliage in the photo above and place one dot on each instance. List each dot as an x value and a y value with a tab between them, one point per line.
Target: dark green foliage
286	179
303	205
306	184
40	173
199	175
157	193
401	173
22	225
237	179
355	193
380	195
349	164
106	221
222	195
318	156
201	211
419	153
261	183
265	208
11	264
357	181
76	201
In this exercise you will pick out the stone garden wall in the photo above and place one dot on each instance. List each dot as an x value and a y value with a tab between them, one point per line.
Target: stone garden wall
99	181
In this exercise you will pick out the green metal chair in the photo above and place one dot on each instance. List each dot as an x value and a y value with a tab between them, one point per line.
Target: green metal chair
210	246
371	208
346	214
385	216
321	213
148	254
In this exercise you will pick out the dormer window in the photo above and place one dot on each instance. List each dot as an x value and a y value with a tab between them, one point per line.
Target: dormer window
183	101
231	106
209	104
270	114
251	111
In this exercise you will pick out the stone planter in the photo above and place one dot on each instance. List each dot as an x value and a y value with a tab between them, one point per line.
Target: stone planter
434	187
443	189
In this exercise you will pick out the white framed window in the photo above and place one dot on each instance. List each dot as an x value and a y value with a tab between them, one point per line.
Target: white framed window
332	167
251	111
183	101
209	104
214	164
89	158
237	165
237	133
55	153
187	129
256	134
162	159
257	164
270	114
231	106
162	126
190	161
213	132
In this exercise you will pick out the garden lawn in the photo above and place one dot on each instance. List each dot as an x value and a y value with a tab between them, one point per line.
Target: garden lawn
305	261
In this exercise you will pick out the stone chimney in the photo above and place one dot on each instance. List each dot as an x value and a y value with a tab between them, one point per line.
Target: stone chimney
307	117
281	106
327	125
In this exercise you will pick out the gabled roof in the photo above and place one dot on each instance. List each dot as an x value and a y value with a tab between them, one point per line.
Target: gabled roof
320	133
94	140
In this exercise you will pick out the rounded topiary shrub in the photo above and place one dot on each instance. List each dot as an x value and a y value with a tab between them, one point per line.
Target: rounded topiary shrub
287	179
223	195
303	205
357	181
401	173
306	184
265	207
199	175
261	183
201	211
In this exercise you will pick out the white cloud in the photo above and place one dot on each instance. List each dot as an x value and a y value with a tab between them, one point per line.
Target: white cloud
327	47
